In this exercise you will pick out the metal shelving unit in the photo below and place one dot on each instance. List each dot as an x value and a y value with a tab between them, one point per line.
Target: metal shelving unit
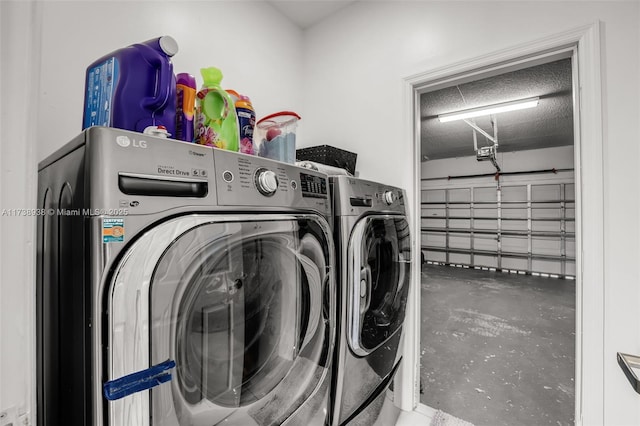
526	228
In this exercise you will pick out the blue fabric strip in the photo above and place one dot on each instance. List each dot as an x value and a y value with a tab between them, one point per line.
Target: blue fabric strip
138	381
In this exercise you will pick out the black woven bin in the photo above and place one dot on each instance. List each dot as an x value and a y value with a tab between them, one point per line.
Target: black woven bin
329	155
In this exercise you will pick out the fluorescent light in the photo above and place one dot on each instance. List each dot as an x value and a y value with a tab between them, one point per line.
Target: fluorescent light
489	109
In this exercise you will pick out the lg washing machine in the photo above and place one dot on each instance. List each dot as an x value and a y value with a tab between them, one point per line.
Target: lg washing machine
374	257
181	285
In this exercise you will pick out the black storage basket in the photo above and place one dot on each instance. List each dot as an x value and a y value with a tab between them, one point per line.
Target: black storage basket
329	155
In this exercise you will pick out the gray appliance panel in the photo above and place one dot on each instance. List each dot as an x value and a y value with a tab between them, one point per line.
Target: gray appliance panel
366	374
236	183
355	197
151	164
60	272
114	154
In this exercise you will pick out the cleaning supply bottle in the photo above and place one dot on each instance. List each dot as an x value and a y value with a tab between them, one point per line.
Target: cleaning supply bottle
133	88
185	107
216	120
246	121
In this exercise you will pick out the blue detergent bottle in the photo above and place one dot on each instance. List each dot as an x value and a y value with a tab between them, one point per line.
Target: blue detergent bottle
133	88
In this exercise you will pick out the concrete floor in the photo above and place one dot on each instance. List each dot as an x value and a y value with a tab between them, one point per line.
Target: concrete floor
498	349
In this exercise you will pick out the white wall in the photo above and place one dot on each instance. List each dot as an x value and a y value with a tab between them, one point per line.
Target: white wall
46	47
19	41
258	50
354	65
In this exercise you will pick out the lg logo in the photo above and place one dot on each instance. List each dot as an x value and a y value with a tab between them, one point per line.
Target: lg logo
124	142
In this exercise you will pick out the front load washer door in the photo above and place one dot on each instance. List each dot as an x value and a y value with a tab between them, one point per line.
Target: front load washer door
244	308
379	256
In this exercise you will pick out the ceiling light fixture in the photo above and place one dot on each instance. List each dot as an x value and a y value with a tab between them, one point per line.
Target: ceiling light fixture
489	110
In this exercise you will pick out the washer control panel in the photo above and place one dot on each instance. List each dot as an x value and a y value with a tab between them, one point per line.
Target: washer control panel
246	180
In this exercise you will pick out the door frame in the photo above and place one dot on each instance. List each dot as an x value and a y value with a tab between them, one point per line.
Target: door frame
584	44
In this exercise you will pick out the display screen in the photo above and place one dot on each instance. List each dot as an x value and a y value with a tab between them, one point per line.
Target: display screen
313	186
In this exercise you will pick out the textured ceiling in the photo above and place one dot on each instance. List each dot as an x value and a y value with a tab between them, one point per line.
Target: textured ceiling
547	125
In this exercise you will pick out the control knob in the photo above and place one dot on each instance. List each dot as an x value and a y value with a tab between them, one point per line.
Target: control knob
389	197
266	182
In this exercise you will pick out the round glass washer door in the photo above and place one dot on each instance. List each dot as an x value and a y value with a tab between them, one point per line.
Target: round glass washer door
244	307
379	256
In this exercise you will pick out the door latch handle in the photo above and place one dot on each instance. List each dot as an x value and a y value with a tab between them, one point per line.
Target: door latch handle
628	363
365	288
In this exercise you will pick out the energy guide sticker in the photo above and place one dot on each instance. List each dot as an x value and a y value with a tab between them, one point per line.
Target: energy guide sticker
112	230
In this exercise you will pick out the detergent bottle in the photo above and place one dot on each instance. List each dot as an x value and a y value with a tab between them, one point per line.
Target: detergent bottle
133	88
185	108
216	120
246	121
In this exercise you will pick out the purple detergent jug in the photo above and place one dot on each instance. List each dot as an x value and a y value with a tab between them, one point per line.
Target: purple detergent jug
133	88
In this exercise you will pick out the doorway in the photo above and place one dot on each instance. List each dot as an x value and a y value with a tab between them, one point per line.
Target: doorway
583	42
498	240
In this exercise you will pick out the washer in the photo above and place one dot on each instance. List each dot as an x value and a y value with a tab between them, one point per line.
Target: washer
374	250
181	285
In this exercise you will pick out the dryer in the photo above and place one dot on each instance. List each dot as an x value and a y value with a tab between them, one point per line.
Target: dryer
181	285
374	255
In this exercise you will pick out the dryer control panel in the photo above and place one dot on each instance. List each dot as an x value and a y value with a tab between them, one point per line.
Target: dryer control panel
353	196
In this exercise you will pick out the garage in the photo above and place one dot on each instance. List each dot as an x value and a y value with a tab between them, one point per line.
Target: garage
498	244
